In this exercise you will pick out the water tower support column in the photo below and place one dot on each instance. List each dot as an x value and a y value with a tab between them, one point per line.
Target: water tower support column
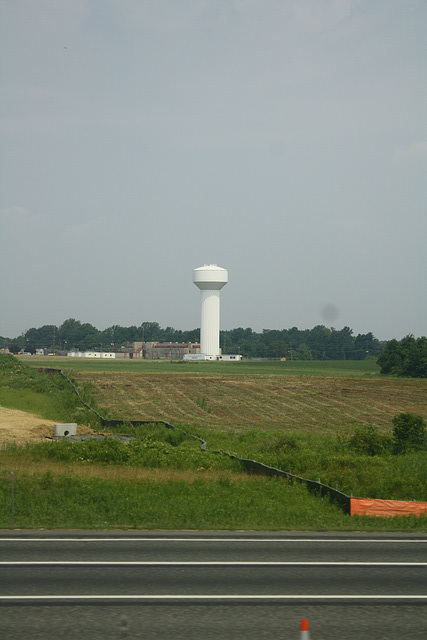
209	331
210	279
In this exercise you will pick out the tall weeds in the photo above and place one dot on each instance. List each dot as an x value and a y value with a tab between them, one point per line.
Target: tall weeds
69	501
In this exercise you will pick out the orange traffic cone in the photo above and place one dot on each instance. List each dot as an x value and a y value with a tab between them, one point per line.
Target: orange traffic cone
304	630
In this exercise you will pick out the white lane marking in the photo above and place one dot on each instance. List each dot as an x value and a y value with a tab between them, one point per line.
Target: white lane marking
193	540
215	597
207	563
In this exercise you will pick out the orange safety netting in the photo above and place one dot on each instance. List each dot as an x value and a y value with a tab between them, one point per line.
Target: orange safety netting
385	508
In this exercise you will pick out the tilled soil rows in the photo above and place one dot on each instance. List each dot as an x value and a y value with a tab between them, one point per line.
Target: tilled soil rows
239	402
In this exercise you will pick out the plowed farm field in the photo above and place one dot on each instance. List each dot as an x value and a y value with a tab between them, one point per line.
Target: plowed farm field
241	402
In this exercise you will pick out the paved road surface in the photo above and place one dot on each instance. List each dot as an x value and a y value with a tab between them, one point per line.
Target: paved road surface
210	585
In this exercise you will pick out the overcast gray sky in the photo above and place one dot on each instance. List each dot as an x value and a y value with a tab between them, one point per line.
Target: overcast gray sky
283	140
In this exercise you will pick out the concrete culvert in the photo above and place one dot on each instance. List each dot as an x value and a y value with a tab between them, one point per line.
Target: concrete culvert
63	430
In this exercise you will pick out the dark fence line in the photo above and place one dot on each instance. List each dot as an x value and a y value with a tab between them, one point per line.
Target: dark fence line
250	466
64	375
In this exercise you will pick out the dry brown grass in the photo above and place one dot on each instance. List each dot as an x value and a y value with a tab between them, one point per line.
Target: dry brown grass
23	464
20	427
242	402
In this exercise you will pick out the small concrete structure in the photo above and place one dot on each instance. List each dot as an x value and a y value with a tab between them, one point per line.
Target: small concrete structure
64	430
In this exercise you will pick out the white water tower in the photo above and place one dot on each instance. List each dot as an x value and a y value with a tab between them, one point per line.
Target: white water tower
210	279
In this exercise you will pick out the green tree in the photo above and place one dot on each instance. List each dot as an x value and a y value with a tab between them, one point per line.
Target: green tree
317	342
409	432
150	331
70	332
43	337
366	345
405	358
340	344
16	345
302	353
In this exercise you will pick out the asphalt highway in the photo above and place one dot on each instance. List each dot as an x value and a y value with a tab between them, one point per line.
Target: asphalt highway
210	585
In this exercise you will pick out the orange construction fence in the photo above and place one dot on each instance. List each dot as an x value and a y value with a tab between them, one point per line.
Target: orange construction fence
385	508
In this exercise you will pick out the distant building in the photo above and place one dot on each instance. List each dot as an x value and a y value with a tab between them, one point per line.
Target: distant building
92	354
144	350
161	350
223	358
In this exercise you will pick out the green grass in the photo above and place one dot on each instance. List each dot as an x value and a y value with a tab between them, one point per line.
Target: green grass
50	396
332	459
164	480
28	400
244	367
68	501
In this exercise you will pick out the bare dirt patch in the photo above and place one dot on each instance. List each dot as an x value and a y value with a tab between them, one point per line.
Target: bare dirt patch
21	427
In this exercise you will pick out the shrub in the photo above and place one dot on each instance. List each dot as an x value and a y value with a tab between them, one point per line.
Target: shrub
286	443
368	440
409	433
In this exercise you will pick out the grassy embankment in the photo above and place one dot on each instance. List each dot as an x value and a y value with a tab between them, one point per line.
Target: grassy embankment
303	423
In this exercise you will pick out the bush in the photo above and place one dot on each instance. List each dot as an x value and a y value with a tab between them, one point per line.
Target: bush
286	443
409	433
369	441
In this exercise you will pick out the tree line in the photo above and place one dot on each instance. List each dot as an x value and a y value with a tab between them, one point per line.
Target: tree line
405	358
319	343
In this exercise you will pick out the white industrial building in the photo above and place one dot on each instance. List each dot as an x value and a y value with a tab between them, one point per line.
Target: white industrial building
92	354
144	350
